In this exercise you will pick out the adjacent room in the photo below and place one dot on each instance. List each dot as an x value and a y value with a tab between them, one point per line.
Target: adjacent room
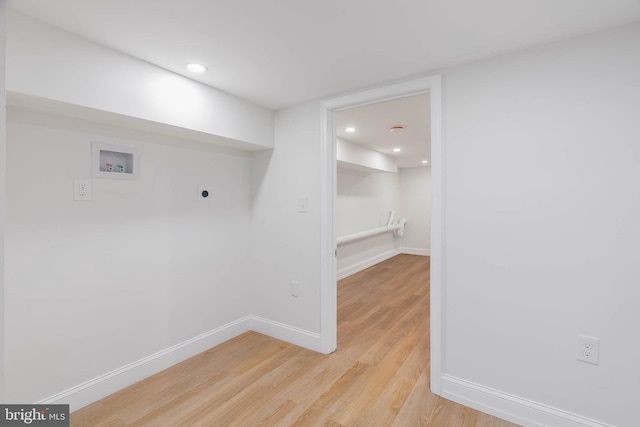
383	180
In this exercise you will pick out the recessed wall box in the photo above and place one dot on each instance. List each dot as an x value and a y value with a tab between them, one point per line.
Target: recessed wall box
114	161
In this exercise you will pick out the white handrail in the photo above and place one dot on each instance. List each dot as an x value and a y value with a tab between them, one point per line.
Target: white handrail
397	228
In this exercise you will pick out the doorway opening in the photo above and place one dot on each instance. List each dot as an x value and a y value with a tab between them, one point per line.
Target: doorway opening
383	180
431	88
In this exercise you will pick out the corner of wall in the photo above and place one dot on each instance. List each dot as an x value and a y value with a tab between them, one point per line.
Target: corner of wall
97	388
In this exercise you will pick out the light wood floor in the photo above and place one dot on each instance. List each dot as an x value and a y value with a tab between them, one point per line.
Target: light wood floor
379	376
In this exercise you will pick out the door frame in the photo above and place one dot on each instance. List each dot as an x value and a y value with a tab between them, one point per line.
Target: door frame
328	285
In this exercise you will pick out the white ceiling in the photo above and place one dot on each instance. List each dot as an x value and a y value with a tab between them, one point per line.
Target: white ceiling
282	52
372	123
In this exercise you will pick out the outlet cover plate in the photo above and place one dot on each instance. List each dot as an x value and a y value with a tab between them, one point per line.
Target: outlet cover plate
82	189
588	349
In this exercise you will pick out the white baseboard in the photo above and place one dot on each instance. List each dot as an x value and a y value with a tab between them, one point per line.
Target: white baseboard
106	384
93	390
416	251
291	334
362	265
512	408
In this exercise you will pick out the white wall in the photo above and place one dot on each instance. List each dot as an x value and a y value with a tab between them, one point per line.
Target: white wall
3	33
363	201
352	155
541	235
285	244
46	62
542	232
182	265
415	205
93	286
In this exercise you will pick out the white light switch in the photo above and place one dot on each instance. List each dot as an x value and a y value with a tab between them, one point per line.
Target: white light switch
303	204
295	288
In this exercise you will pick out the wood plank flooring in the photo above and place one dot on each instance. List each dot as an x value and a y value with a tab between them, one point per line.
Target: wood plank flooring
379	376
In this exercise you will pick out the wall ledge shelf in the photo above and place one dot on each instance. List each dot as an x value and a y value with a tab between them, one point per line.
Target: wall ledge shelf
350	155
41	105
341	164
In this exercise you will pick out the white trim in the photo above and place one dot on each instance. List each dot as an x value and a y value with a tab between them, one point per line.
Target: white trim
416	251
382	93
95	389
437	279
328	293
511	408
328	247
369	262
106	384
290	334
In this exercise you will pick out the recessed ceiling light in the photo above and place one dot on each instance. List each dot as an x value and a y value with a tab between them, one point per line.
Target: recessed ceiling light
350	130
425	161
196	68
394	129
397	150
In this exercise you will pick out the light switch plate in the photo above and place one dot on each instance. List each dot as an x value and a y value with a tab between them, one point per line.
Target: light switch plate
303	204
295	288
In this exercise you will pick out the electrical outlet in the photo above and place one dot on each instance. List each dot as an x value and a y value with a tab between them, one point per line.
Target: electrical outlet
82	189
588	349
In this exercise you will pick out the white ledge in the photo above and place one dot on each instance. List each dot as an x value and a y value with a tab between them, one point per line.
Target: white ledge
63	109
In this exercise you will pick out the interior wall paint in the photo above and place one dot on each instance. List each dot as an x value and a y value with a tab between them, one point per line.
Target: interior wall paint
542	208
351	154
415	205
3	141
285	243
363	201
47	62
93	286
